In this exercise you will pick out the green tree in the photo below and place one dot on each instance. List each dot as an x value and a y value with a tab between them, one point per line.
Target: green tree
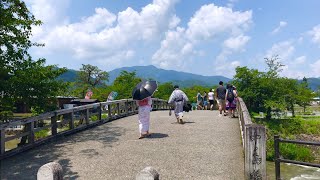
22	79
267	91
304	94
124	84
164	91
90	77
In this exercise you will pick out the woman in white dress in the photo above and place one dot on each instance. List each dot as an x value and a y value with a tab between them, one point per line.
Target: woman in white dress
144	116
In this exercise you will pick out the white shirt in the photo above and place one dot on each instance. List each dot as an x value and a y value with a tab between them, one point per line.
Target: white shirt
211	95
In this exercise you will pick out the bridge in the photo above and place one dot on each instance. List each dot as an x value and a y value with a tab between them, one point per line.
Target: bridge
205	147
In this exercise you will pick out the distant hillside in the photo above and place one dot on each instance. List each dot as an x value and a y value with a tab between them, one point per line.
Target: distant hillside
314	83
69	76
182	78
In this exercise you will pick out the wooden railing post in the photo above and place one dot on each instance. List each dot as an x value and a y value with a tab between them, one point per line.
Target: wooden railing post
100	112
71	122
126	107
277	156
31	133
54	125
87	116
2	141
118	109
255	152
109	112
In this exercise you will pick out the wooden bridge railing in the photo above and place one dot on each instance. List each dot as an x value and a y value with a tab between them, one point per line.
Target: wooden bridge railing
254	144
50	125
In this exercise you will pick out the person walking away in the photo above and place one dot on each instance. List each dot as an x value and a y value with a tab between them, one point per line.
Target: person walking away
231	105
144	116
205	100
211	98
199	101
220	96
178	98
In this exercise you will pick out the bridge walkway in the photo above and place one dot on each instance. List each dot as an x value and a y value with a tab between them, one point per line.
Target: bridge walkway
205	147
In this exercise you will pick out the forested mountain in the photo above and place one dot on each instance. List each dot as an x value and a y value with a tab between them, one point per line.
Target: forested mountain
182	78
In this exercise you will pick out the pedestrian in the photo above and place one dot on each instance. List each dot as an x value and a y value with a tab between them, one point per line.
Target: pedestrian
205	100
231	105
178	98
144	116
199	101
220	97
211	98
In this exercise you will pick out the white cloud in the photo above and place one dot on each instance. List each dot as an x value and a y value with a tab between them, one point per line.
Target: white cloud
315	69
210	22
283	49
236	43
103	36
299	60
315	33
282	24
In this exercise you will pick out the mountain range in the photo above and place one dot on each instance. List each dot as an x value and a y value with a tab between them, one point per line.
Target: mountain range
161	75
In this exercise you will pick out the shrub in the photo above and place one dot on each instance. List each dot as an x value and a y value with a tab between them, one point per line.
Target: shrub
41	134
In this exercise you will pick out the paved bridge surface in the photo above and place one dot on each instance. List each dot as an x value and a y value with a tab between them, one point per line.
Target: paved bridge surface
205	147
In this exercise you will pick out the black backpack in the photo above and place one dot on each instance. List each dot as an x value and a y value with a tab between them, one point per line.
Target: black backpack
230	95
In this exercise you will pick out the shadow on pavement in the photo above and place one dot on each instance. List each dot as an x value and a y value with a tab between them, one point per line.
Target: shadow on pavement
26	164
158	135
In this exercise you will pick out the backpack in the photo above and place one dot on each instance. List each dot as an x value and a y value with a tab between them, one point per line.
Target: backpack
143	102
230	95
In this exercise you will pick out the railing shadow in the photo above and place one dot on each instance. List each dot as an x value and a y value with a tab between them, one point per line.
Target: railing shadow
25	165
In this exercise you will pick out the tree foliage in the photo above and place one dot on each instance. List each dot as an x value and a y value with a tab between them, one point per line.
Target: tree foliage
124	84
21	78
89	77
267	91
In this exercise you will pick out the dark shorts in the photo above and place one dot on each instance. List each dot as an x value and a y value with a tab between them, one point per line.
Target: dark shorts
211	102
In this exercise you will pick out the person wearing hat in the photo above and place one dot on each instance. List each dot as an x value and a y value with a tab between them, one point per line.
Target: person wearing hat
211	98
178	98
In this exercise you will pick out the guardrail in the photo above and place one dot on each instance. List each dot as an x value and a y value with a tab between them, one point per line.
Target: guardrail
45	127
278	159
254	144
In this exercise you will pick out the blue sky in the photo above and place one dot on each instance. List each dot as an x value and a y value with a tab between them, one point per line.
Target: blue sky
202	37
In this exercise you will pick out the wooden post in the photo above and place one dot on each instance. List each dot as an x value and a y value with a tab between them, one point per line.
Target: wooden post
2	141
126	107
118	108
87	116
109	112
100	112
54	125
277	156
31	131
255	152
71	122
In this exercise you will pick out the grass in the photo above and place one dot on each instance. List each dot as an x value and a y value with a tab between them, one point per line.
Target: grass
291	128
21	115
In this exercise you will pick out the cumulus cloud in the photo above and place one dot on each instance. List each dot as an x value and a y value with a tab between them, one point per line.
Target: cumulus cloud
283	49
299	60
315	68
236	43
209	23
103	35
315	34
282	24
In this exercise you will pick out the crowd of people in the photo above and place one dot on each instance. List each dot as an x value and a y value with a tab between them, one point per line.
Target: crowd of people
226	98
